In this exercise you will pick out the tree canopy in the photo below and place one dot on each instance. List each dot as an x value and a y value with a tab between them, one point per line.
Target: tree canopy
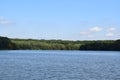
5	43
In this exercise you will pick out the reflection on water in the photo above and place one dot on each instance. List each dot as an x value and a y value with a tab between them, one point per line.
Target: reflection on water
59	65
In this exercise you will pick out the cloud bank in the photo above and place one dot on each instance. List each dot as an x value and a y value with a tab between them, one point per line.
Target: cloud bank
109	32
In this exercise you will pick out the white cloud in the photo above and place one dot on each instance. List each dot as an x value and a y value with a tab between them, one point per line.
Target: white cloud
111	29
3	21
110	34
96	29
89	32
90	36
84	33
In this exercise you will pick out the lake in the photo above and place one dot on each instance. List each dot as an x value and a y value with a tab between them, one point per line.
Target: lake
59	65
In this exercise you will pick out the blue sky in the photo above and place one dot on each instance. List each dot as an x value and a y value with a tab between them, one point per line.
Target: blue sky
60	19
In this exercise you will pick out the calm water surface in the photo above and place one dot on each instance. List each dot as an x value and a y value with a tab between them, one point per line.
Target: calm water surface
59	65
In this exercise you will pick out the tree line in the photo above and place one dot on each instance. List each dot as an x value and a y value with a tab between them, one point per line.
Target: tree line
111	46
32	44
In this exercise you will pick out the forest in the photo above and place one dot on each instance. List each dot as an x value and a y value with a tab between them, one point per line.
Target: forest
33	44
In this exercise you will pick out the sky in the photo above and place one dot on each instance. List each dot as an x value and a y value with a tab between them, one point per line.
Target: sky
60	19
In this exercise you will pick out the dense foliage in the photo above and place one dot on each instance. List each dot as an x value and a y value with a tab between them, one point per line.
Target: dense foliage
115	45
5	43
46	44
31	44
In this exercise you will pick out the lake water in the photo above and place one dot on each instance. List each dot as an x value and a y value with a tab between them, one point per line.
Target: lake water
59	65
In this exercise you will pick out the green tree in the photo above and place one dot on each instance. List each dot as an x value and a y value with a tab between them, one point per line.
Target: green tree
5	43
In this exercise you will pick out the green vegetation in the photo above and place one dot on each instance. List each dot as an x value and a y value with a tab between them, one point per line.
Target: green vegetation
46	44
31	44
5	43
111	46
